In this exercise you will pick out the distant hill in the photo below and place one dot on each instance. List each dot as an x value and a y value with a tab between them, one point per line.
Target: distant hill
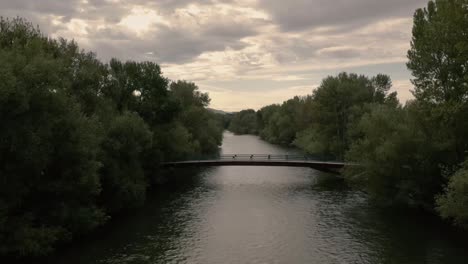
217	111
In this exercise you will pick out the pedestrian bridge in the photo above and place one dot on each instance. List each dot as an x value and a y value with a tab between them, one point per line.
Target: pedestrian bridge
263	160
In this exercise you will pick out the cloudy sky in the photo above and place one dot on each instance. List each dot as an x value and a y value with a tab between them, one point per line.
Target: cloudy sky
245	53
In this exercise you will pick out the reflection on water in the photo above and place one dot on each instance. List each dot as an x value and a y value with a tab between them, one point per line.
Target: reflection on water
265	215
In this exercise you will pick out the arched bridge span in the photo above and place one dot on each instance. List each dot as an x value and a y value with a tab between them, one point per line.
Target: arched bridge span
285	160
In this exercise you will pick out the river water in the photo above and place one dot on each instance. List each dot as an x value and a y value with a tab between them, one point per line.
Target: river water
265	215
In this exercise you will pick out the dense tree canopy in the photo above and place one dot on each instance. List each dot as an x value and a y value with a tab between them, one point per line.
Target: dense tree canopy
244	122
399	165
127	140
81	139
321	123
439	52
454	203
438	60
337	104
425	142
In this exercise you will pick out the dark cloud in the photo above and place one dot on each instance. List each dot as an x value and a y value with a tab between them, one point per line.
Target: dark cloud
229	30
169	45
66	7
293	49
342	53
37	19
175	46
296	15
185	36
109	34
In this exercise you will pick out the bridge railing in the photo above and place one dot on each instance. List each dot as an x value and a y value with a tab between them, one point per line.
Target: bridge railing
258	157
266	157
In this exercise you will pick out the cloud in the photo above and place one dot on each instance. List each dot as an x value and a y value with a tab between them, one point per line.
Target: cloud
264	48
295	15
339	52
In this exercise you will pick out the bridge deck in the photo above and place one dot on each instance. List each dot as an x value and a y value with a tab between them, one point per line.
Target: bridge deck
262	160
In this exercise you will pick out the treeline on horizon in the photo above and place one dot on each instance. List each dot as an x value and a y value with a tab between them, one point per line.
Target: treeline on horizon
81	140
412	155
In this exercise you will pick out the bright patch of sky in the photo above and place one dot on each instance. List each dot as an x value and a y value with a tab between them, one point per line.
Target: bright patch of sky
141	20
244	53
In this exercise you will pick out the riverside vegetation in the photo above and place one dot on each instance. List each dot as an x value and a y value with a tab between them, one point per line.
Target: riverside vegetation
80	139
413	154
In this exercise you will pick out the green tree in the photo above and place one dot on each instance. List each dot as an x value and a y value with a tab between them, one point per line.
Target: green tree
267	128
280	123
80	138
336	105
202	124
187	94
396	157
122	175
48	147
453	203
437	60
140	87
407	154
439	52
244	122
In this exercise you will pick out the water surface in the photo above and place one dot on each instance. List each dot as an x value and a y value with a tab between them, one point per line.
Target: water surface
265	215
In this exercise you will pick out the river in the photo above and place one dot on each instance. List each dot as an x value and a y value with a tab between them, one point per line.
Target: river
265	215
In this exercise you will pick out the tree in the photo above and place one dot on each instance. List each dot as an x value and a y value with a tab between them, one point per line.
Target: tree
48	147
439	52
438	61
407	154
336	105
453	203
81	139
200	122
244	122
267	128
397	161
123	177
187	94
140	87
279	123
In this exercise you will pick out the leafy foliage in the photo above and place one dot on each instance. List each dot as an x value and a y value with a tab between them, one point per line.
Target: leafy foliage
422	144
322	123
397	159
437	59
244	122
439	52
81	139
338	103
453	203
127	141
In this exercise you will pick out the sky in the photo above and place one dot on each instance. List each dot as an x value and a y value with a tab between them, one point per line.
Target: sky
244	53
